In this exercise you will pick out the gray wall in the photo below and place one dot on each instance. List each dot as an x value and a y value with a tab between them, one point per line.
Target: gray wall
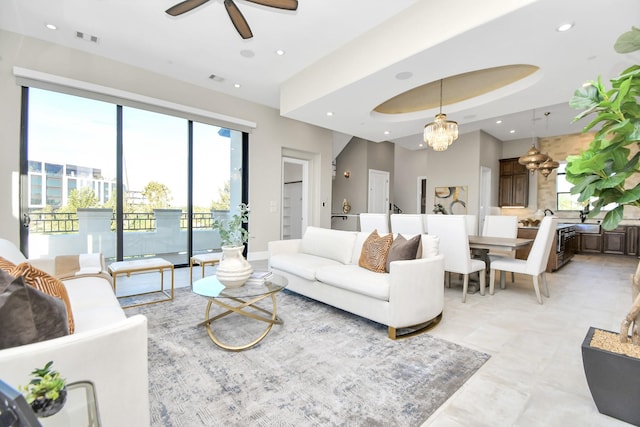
409	165
357	157
273	135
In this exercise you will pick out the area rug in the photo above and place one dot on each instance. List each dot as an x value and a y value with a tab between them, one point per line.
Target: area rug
322	366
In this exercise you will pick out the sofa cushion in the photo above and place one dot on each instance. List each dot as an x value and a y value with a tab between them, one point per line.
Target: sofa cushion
10	252
374	252
402	249
48	284
303	265
326	243
6	265
28	315
356	279
94	303
430	246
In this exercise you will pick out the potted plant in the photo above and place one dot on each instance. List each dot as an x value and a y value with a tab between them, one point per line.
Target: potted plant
46	392
233	270
601	176
232	231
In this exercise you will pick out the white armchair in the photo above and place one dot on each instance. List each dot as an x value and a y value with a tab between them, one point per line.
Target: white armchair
107	348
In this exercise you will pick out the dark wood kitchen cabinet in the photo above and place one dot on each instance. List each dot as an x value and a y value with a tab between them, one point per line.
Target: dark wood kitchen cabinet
591	243
613	241
514	183
632	240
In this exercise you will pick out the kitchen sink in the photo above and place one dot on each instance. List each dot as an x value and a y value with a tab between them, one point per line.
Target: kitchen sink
587	228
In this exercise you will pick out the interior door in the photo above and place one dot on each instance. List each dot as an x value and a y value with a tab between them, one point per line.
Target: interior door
294	197
378	191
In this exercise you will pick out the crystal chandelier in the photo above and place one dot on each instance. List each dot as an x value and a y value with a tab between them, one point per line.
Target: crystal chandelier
440	133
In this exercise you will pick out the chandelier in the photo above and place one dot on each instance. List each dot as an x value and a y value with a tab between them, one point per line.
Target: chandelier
440	133
534	160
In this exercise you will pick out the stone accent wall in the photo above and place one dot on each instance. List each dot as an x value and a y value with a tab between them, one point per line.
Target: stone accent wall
559	147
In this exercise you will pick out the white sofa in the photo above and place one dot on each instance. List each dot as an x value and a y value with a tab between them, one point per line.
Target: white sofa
107	348
323	265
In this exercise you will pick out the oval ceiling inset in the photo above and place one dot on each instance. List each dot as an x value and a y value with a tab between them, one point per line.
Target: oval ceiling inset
455	89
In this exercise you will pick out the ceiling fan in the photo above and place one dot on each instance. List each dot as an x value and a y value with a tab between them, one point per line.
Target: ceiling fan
234	13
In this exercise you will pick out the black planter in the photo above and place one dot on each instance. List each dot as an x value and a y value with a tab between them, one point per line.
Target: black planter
614	381
47	407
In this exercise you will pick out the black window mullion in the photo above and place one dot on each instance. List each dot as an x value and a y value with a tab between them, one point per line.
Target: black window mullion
190	191
119	186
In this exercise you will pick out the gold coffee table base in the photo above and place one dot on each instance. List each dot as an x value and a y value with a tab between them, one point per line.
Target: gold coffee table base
241	310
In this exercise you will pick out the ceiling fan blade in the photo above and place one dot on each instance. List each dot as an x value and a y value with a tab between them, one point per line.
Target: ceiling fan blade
184	7
279	4
238	19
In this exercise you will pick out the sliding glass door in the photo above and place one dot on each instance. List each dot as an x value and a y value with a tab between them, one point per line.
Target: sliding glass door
154	173
127	182
71	175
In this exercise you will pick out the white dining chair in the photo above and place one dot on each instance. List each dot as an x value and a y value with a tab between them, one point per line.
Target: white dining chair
454	245
535	265
374	221
407	224
501	226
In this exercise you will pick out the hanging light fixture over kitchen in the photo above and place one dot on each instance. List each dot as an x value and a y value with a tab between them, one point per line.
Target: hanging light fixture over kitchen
534	160
440	133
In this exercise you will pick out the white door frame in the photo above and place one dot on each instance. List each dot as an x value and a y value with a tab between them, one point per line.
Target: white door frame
305	191
419	194
485	196
370	205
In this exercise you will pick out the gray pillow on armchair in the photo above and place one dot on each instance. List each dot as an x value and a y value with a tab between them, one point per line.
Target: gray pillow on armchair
28	315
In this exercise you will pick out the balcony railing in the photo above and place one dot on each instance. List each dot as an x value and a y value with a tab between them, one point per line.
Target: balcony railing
59	223
51	223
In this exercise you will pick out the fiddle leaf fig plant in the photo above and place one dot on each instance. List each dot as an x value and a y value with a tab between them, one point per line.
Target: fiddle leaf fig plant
600	173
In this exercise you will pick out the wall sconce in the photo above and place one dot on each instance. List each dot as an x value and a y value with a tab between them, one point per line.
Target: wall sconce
347	174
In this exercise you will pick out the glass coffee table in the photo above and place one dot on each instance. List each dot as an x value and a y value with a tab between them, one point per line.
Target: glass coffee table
242	301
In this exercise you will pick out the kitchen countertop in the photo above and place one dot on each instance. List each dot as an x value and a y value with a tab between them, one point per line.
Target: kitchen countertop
558	227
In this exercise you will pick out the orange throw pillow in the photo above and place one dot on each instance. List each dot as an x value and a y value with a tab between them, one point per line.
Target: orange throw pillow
44	282
6	265
375	251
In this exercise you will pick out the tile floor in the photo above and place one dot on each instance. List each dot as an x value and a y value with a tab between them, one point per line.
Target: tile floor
535	375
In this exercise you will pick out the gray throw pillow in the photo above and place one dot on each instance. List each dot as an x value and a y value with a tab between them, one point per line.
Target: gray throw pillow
28	315
402	249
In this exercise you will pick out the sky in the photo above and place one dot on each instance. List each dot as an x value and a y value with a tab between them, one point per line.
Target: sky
73	130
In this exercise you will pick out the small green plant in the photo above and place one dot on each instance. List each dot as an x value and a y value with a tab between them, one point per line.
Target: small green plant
232	232
46	384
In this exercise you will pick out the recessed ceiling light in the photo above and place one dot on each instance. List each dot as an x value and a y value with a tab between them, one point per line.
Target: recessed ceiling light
51	26
421	145
404	75
386	132
565	27
237	85
279	52
512	131
498	122
329	113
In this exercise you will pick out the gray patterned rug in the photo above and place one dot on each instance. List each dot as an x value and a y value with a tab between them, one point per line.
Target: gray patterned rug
323	366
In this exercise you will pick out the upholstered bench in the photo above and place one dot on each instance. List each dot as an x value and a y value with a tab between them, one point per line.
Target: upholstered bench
143	266
202	260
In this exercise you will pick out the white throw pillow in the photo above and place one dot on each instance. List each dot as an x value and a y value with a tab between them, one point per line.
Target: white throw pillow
333	244
430	245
